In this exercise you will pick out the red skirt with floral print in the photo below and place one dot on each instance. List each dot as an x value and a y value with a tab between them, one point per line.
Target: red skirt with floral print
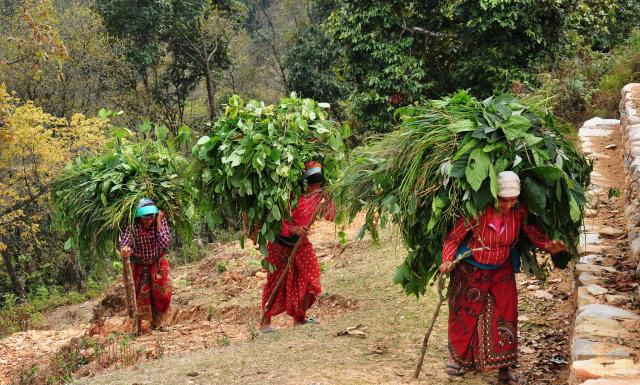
303	278
153	288
483	317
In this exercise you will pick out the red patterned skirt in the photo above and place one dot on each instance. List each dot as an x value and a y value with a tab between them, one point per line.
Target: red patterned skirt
303	279
153	289
483	317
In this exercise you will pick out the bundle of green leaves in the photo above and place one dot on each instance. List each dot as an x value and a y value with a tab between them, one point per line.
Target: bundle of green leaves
250	166
442	163
96	197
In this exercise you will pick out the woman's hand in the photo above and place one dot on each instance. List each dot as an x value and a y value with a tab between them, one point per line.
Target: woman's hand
446	267
556	246
301	231
159	218
125	252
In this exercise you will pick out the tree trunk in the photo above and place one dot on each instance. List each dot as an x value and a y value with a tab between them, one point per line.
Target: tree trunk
18	288
211	95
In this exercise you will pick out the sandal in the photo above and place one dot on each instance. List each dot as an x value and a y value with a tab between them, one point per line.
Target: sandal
310	321
454	370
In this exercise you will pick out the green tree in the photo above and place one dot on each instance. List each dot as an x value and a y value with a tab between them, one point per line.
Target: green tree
311	59
396	52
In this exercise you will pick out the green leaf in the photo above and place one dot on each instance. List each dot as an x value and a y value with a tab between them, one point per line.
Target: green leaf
462	126
493	180
465	149
68	245
203	140
548	173
477	168
161	131
515	126
535	195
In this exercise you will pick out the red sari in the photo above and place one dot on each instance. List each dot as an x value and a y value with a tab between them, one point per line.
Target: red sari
303	279
483	301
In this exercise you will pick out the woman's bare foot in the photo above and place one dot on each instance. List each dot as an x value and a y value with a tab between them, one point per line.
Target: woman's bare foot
505	376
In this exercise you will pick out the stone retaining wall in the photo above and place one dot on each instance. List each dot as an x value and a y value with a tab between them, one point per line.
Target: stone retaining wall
630	128
605	333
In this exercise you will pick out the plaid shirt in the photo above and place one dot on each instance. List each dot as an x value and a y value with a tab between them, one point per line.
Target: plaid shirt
147	245
499	240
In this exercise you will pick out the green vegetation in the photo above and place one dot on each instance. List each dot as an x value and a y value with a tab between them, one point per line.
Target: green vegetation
250	165
442	163
95	197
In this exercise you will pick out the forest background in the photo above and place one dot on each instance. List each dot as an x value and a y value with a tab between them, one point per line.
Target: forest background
71	72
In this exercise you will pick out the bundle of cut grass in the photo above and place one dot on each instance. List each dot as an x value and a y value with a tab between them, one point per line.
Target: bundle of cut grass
442	163
251	163
94	198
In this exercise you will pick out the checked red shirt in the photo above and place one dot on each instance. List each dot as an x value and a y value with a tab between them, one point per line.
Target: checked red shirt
147	245
499	236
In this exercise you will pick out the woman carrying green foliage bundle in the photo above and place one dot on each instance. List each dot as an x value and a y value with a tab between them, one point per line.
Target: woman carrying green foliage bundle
145	244
302	284
483	301
442	164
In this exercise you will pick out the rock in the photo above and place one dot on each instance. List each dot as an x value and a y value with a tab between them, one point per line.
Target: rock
543	294
635	248
604	367
533	287
585	349
604	311
596	290
591	258
594	269
610	146
611	232
584	298
599	327
589	238
616	300
588	278
590	213
613	381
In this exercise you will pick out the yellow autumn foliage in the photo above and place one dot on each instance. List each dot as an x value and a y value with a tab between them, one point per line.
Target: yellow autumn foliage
34	148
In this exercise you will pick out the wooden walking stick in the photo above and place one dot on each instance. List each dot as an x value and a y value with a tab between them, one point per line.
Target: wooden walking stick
436	312
130	294
290	261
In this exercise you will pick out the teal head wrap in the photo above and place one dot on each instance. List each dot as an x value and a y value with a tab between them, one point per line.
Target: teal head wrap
146	210
146	207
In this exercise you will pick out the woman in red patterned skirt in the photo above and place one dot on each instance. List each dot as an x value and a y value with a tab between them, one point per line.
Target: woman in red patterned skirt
483	301
302	285
146	243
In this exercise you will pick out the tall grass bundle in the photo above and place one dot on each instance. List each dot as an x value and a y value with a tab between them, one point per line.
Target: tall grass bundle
95	198
442	163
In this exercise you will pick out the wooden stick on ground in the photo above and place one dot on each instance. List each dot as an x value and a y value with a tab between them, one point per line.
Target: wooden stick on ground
130	294
290	261
436	312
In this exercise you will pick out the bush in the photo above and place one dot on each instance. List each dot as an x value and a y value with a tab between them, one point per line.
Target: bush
625	69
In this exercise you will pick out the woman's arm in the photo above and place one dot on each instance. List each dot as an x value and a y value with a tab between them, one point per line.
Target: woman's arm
164	236
454	238
126	242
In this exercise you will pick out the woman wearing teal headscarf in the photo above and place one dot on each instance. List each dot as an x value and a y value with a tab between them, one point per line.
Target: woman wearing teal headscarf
146	244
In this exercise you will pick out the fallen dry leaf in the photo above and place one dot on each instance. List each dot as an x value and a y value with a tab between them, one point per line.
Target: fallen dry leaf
357	331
